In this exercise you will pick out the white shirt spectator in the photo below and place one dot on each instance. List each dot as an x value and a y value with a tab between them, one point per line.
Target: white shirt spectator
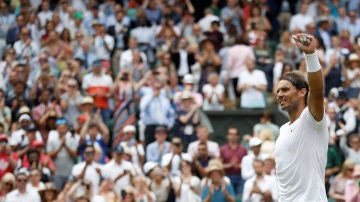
45	16
41	186
19	137
215	92
175	163
251	97
144	35
265	184
205	22
100	49
112	170
300	21
22	50
186	193
247	168
90	80
135	152
213	148
126	59
29	195
90	174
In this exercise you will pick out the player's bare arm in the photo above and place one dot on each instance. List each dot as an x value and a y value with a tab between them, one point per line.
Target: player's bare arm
306	43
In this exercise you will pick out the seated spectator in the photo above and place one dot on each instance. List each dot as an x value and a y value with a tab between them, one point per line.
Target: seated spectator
187	118
218	190
252	84
35	182
353	76
352	192
189	85
45	107
7	184
136	149
247	168
186	186
107	192
260	187
337	188
80	189
171	161
214	93
25	47
159	184
22	193
203	136
142	191
157	149
269	166
268	144
118	170
265	123
33	157
49	193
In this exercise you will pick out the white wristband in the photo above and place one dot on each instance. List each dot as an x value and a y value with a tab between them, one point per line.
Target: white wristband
312	62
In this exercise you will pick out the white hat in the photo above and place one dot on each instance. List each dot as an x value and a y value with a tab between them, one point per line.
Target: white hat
188	78
87	100
186	94
255	141
23	110
24	117
148	166
129	128
187	157
23	171
353	57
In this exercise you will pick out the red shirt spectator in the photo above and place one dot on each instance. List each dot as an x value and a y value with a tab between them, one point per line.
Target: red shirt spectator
8	158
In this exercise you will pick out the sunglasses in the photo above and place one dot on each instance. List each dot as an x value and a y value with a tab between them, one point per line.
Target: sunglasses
177	144
21	180
88	152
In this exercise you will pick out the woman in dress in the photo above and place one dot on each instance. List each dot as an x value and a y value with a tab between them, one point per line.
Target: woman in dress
337	188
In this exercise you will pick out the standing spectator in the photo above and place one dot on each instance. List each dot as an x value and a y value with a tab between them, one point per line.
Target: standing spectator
89	169
203	136
155	110
300	20
345	114
232	154
353	152
159	184
171	161
260	187
257	20
201	160
45	14
353	76
97	85
49	193
352	192
7	22
214	94
25	48
86	53
236	63
218	190
94	131
157	149
337	188
61	147
186	186
252	84
247	169
13	33
8	158
70	102
231	15
35	180
353	24
119	170
136	149
103	43
142	191
265	123
289	48
183	59
22	193
187	119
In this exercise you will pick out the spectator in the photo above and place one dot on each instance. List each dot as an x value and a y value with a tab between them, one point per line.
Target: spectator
159	184
21	193
203	136
201	160
218	189
142	191
119	170
8	157
247	169
49	193
352	152
155	110
300	20
13	32
171	161
89	169
61	147
257	20
157	149
25	48
98	85
352	188
214	93
265	123
189	85
9	23
337	188
260	187
289	48
7	184
186	186
103	43
232	154
353	76
35	180
252	84
353	24
136	149
86	53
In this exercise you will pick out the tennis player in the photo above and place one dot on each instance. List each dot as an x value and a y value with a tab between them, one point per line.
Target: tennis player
301	149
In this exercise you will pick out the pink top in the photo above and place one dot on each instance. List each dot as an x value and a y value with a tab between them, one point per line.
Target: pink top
237	56
351	191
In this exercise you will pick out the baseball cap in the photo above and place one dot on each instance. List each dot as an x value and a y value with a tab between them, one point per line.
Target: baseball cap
129	128
148	166
61	121
255	141
96	63
118	149
24	117
31	128
22	171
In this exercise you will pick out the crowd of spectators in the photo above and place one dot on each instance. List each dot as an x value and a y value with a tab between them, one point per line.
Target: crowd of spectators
107	100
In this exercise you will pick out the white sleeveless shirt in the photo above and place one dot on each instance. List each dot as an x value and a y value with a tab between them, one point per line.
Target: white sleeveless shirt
301	155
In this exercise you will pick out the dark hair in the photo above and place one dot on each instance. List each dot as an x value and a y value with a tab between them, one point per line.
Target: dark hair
202	143
298	81
80	198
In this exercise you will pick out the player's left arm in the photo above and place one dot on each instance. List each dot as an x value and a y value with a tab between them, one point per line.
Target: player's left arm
315	99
